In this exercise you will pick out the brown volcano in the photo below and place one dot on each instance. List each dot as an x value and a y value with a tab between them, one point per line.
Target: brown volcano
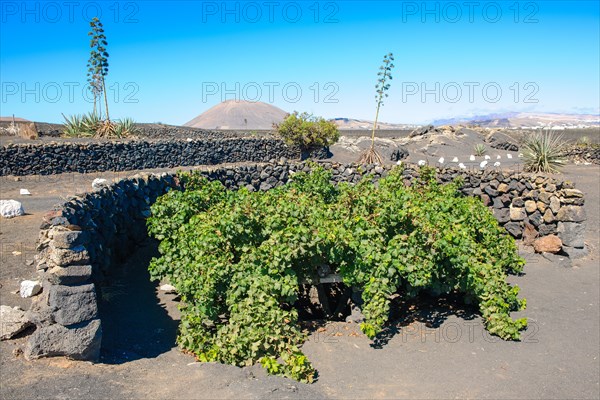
233	114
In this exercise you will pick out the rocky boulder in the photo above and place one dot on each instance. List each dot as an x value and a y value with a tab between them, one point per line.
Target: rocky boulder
548	244
571	233
12	322
11	208
78	342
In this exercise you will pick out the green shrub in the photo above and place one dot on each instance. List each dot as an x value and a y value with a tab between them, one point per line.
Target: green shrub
307	131
544	152
237	258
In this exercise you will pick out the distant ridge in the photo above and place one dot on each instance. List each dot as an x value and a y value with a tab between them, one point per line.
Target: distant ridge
525	120
239	115
362	124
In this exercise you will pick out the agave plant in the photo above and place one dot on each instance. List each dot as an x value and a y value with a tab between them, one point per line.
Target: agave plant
479	149
90	123
125	127
106	129
119	130
73	126
544	152
584	141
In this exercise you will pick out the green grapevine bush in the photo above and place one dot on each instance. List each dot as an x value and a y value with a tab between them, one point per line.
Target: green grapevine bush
237	258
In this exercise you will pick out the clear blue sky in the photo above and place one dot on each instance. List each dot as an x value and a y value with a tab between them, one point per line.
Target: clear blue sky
170	61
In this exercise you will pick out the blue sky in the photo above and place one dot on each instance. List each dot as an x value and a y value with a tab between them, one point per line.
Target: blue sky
170	61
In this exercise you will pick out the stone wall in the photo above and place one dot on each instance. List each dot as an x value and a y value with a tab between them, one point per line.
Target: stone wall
173	132
584	154
57	158
80	240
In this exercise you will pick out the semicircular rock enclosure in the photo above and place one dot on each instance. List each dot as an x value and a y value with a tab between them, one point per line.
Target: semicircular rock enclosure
81	241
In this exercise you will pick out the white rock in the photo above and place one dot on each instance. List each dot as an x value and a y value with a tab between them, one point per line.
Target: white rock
99	183
399	162
497	164
498	157
462	166
11	208
455	159
509	156
472	158
487	157
24	192
30	288
13	321
189	140
520	155
421	163
441	160
483	164
168	288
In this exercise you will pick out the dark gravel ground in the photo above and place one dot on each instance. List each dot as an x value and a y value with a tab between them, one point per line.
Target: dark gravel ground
435	349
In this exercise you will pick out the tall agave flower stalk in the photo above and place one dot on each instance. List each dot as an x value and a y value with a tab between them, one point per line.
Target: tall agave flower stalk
98	63
371	156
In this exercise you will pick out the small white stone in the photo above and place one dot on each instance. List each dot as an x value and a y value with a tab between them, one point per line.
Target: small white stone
189	140
455	159
462	166
11	208
168	288
483	164
421	163
399	162
520	155
472	158
24	192
509	156
99	183
487	157
498	157
497	164
30	288
441	160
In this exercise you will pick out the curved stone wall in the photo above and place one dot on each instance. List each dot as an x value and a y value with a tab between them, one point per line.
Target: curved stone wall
80	240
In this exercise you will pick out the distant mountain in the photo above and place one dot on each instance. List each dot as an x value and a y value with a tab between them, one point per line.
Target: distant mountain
241	115
525	120
360	124
10	119
245	115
